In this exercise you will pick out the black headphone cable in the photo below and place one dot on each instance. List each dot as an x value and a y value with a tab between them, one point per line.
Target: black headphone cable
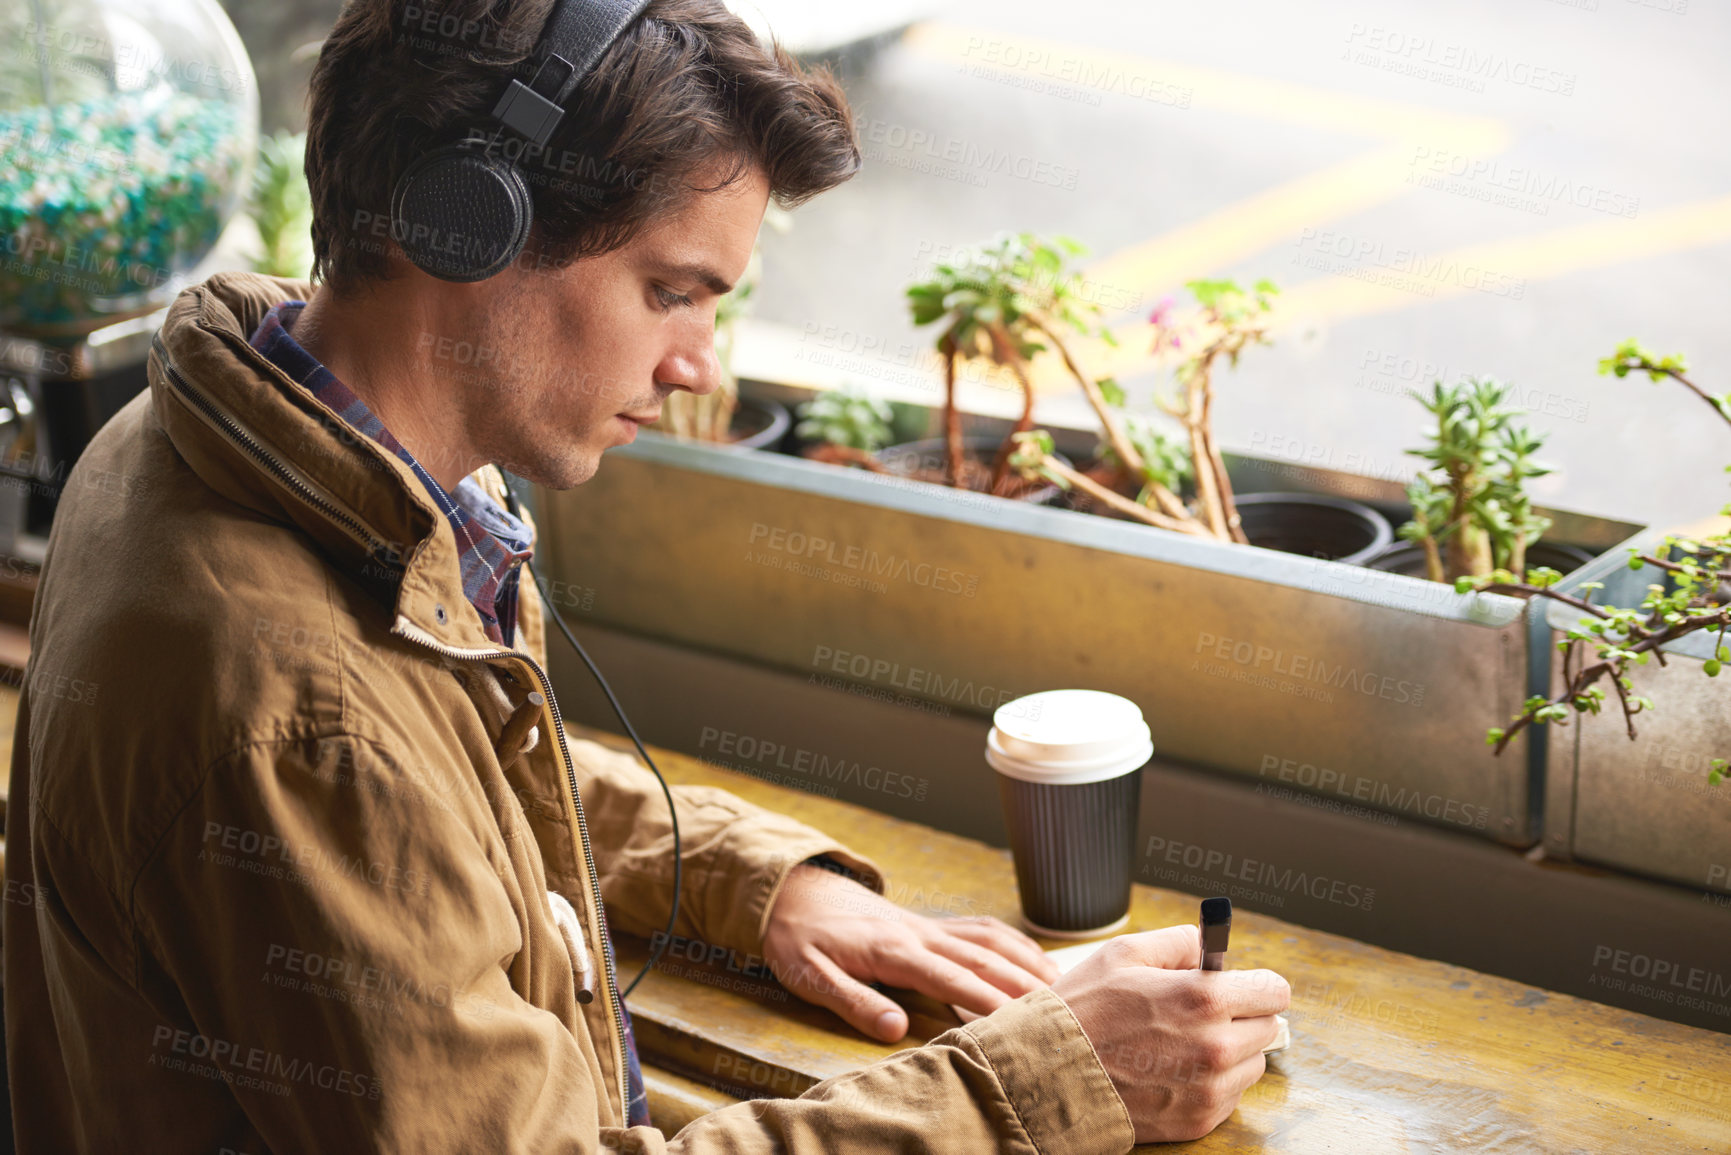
659	948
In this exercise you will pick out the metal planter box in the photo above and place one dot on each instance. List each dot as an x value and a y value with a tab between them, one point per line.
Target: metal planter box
1644	805
1352	689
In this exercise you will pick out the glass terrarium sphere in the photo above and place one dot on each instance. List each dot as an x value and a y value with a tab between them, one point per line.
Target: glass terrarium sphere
127	134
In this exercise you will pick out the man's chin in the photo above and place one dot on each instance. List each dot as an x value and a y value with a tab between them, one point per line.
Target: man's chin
562	473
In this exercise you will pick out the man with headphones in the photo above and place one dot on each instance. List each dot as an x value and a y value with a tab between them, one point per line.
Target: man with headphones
324	872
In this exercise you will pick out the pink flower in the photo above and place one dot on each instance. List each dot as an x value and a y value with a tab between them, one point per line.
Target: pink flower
1161	311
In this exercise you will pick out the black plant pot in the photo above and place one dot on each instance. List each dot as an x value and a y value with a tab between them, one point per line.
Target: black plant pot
758	424
931	454
1314	525
1407	558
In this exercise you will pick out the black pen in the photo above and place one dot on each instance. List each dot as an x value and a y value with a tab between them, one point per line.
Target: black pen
1216	927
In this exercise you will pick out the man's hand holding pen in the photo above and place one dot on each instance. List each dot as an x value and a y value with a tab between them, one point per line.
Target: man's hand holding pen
1181	1044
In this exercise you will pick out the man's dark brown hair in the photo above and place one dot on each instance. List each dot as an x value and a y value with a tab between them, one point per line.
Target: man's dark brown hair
687	100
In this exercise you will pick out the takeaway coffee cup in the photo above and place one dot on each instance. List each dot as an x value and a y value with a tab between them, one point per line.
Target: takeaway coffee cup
1068	764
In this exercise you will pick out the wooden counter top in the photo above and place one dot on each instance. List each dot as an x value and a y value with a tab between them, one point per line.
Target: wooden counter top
1390	1053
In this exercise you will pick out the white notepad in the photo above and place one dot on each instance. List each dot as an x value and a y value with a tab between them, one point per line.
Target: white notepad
1068	956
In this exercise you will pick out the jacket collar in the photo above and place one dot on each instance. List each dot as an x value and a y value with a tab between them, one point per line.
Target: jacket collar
265	442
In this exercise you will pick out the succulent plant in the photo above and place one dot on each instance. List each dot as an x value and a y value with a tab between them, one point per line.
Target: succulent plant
282	207
1226	320
1006	302
1691	599
848	418
1471	512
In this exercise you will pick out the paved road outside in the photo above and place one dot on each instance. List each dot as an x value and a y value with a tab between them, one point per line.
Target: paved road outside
1502	187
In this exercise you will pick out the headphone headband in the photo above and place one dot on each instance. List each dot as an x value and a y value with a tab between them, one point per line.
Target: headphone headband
464	214
576	35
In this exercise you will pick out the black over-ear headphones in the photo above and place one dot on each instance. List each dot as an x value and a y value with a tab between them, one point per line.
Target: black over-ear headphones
462	212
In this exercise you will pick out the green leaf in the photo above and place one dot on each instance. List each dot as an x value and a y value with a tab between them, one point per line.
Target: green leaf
281	206
1111	391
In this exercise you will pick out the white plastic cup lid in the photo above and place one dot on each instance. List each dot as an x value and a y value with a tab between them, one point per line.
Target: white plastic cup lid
1068	737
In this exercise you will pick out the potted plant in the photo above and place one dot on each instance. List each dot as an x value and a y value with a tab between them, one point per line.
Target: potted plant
955	596
1142	471
1615	631
846	427
1471	514
1693	599
723	417
1004	302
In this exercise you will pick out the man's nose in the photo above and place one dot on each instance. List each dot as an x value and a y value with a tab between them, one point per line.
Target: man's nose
693	366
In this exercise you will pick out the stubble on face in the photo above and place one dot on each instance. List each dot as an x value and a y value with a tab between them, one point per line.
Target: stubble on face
501	409
579	345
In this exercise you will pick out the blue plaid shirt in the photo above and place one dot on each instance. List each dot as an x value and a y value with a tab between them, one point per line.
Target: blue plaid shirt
493	543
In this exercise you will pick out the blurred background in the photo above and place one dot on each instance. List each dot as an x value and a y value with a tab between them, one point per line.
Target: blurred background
1504	188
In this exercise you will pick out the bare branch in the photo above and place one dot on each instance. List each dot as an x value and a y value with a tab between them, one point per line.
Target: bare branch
1544	592
1118	501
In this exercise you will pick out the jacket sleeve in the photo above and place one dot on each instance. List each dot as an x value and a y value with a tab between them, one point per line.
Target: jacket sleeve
1024	1079
343	959
735	856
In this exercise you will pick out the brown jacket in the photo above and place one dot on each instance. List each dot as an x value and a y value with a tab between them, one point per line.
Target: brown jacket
277	883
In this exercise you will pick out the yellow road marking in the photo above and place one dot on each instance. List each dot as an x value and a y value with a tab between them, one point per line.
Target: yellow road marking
1530	258
1251	225
1245	227
1512	264
1110	72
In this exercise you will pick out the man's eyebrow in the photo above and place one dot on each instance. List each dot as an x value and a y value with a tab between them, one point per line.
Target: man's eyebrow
703	274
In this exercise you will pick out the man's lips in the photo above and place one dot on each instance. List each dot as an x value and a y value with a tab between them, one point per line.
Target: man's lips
649	420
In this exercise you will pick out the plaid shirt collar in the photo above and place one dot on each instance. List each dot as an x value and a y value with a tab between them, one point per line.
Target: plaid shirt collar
493	541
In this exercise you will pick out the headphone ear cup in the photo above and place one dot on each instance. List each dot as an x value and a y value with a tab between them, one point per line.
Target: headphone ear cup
461	215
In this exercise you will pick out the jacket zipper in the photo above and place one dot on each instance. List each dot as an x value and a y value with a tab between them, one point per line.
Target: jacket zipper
404	628
240	435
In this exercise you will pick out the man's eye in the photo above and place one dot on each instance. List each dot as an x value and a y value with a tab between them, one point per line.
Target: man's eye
669	300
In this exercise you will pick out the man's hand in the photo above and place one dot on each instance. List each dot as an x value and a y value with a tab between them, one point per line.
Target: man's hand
829	937
1180	1044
